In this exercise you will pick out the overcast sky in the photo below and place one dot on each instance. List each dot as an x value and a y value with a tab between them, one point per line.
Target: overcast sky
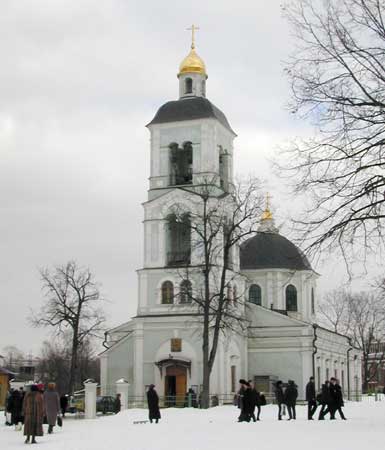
79	80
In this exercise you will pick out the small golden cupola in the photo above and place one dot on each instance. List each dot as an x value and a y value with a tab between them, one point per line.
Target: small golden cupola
192	72
193	63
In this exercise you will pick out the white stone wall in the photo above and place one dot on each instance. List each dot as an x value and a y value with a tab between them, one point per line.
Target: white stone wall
273	283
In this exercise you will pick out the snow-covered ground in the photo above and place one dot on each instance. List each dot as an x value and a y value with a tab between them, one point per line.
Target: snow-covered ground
215	429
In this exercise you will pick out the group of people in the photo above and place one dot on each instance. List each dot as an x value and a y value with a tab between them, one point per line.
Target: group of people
248	399
330	399
286	397
33	408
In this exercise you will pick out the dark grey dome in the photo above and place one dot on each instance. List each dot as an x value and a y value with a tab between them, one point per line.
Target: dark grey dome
271	251
189	108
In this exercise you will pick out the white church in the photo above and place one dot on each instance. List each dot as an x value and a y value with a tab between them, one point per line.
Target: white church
162	345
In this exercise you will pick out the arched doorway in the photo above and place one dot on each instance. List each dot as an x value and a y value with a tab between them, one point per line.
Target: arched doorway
175	385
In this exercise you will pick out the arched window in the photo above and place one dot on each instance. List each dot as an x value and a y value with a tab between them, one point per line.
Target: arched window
255	294
181	164
291	298
188	86
178	240
167	293
312	301
185	293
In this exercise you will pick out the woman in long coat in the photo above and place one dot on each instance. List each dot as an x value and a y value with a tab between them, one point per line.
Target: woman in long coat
52	406
153	404
33	411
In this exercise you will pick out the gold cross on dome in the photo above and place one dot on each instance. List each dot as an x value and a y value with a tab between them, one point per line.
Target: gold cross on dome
268	198
193	28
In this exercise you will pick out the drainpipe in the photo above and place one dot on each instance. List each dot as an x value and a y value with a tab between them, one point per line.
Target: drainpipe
315	349
348	365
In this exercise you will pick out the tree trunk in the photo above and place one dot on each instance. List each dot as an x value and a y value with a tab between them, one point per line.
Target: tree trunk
72	384
205	398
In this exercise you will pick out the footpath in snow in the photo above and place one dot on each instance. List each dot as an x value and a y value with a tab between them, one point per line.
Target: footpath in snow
214	429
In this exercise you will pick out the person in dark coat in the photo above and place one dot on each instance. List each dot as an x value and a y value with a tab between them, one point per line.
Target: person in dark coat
63	404
256	403
117	404
279	397
15	407
153	404
247	403
240	393
325	400
191	398
52	406
33	411
333	405
339	400
8	405
311	399
291	394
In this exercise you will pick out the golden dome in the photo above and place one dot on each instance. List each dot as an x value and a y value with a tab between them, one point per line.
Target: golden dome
193	63
267	215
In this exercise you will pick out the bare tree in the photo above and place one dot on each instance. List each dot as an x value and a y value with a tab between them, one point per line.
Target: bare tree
337	74
55	363
72	303
334	312
218	223
13	357
360	316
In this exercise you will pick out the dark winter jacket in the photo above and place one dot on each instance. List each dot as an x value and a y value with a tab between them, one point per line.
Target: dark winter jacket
291	394
64	402
339	396
153	404
248	402
15	407
256	398
310	392
335	394
325	395
279	395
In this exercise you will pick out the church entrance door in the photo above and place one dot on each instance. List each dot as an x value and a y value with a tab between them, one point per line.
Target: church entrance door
175	385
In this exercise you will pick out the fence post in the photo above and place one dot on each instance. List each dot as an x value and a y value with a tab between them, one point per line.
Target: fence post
122	389
90	399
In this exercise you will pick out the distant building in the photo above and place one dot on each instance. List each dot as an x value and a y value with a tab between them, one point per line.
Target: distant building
376	363
5	377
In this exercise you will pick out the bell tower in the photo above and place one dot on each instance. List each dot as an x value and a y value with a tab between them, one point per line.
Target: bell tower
191	145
